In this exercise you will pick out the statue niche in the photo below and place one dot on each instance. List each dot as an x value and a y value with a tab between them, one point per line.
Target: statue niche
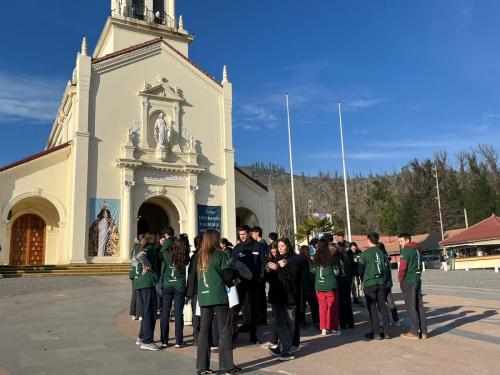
160	131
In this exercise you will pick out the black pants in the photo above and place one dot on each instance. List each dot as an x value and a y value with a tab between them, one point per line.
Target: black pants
375	297
221	313
392	305
250	289
296	327
135	303
177	297
196	320
284	326
147	296
345	304
412	293
312	301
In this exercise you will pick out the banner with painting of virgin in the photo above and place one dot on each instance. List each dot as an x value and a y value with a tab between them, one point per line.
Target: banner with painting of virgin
104	235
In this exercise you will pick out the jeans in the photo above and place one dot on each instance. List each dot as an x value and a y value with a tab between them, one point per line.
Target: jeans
284	319
147	296
346	314
135	303
375	297
225	343
412	293
177	297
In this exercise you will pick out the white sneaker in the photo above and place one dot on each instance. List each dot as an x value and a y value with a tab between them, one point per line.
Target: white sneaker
164	345
336	333
135	317
138	342
152	347
324	332
140	318
178	346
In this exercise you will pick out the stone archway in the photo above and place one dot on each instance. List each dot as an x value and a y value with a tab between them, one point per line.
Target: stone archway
33	232
155	214
245	216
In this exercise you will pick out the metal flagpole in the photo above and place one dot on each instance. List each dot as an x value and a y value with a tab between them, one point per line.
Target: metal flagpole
291	174
345	178
435	170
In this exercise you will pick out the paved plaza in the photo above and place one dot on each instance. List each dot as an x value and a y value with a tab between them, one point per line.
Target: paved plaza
80	325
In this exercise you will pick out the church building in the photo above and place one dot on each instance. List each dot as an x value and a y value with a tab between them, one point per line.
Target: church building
143	139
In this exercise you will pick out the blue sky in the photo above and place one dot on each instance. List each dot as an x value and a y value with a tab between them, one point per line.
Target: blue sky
415	77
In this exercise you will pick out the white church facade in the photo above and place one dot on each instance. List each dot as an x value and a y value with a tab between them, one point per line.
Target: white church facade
142	139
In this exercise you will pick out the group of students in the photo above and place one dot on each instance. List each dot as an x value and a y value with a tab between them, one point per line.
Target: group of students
323	275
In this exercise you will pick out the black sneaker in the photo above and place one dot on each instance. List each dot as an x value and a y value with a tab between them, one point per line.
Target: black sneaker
378	337
234	370
286	357
275	351
369	336
206	372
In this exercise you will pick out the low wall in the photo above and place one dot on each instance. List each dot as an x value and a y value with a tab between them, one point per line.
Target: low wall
477	262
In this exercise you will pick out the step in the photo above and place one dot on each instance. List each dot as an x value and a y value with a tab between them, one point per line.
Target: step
12	275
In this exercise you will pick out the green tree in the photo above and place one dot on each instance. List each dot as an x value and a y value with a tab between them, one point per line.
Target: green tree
313	224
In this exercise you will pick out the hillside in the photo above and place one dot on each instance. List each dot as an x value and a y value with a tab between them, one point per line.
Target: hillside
403	201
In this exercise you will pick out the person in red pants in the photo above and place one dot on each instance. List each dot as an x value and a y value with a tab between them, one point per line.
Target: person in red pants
326	287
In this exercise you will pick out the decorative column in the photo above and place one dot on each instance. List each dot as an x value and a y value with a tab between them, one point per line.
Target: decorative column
4	254
79	172
192	214
125	235
145	115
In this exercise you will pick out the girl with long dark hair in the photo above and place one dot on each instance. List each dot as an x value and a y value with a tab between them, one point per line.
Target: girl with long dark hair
175	260
145	281
326	286
284	295
214	274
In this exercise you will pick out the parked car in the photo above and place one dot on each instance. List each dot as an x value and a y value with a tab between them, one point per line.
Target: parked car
431	261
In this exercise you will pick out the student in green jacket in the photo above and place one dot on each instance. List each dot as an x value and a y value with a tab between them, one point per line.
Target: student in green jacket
135	305
371	264
388	286
175	260
326	287
213	274
145	280
409	276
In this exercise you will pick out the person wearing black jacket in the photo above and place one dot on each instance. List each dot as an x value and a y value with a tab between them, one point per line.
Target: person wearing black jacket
284	297
345	280
192	288
251	254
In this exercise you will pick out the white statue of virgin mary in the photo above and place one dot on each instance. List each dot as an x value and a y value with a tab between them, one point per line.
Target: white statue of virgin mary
161	132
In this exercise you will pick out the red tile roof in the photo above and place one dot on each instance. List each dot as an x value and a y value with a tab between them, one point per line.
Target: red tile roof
488	229
150	43
35	156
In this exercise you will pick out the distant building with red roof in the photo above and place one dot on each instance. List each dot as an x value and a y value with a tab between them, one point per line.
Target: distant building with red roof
477	246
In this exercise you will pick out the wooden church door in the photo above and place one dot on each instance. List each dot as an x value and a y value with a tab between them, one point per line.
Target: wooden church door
27	245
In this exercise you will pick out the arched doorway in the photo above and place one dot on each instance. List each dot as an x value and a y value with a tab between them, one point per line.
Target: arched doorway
27	245
151	217
245	216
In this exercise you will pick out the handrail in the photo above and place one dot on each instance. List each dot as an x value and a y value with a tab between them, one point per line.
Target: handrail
142	13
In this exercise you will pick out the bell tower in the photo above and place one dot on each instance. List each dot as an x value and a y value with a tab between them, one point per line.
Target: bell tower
138	21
